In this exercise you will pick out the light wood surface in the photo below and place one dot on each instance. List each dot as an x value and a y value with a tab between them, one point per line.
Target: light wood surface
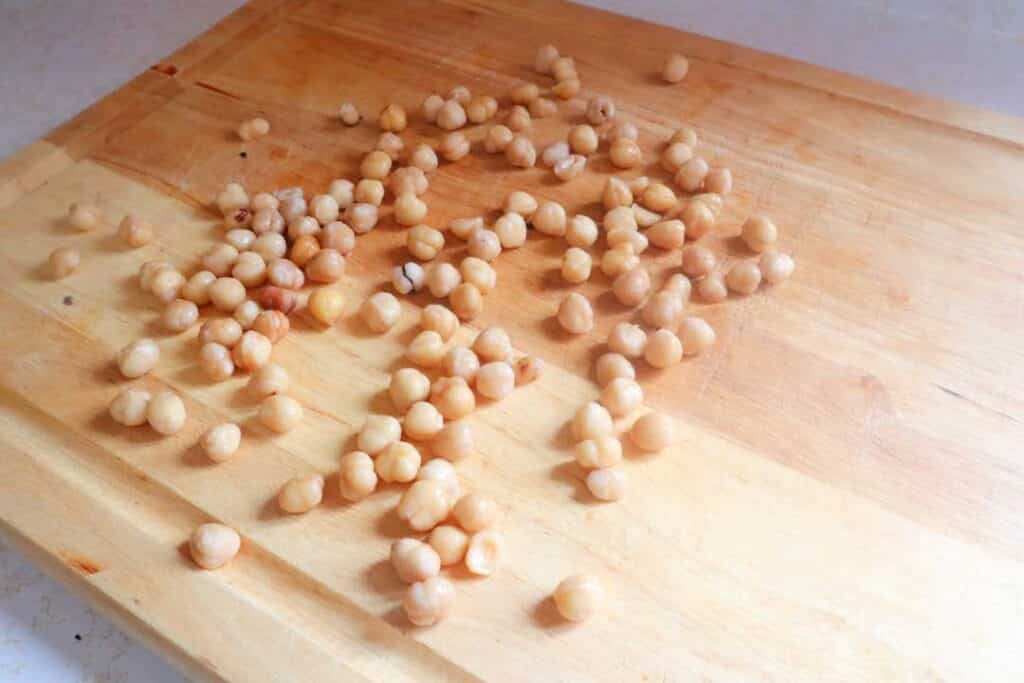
845	505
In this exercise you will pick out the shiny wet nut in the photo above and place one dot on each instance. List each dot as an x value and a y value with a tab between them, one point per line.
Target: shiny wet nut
138	358
251	270
625	153
326	266
225	331
658	197
450	543
179	315
454	146
759	233
554	153
743	278
380	311
392	118
520	152
84	217
690	176
663	309
214	545
546	54
466	301
697	336
619	260
414	560
663	350
550	219
454	442
583	139
460	362
518	118
570	168
632	287
479	273
422	421
443	472
63	261
356	477
440	320
424	158
599	453
410	210
326	305
698	261
581	231
675	155
274	325
579	597
135	231
426	349
324	208
652	432
220	259
776	267
167	284
620	218
610	366
399	462
453	397
129	407
498	139
428	602
362	218
280	413
592	421
616	193
378	432
301	494
718	181
576	265
510	228
267	380
424	505
493	344
451	115
252	350
165	413
465	226
621	396
484	244
607	484
226	293
712	289
575	314
670	234
475	512
676	68
495	380
216	362
221	441
408	385
627	339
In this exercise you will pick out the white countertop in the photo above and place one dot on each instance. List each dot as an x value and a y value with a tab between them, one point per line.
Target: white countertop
59	56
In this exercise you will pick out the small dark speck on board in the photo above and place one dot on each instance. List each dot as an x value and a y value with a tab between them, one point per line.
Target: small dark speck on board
244	155
78	636
69	300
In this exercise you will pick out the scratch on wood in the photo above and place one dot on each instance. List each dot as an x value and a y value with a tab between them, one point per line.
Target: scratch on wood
957	394
217	90
83	565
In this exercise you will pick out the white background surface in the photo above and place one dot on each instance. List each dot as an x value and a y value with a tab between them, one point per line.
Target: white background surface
59	56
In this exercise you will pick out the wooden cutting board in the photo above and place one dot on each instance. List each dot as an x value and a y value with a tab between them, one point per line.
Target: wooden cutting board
845	504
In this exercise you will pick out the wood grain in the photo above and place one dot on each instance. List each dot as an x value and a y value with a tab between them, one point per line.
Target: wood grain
846	503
